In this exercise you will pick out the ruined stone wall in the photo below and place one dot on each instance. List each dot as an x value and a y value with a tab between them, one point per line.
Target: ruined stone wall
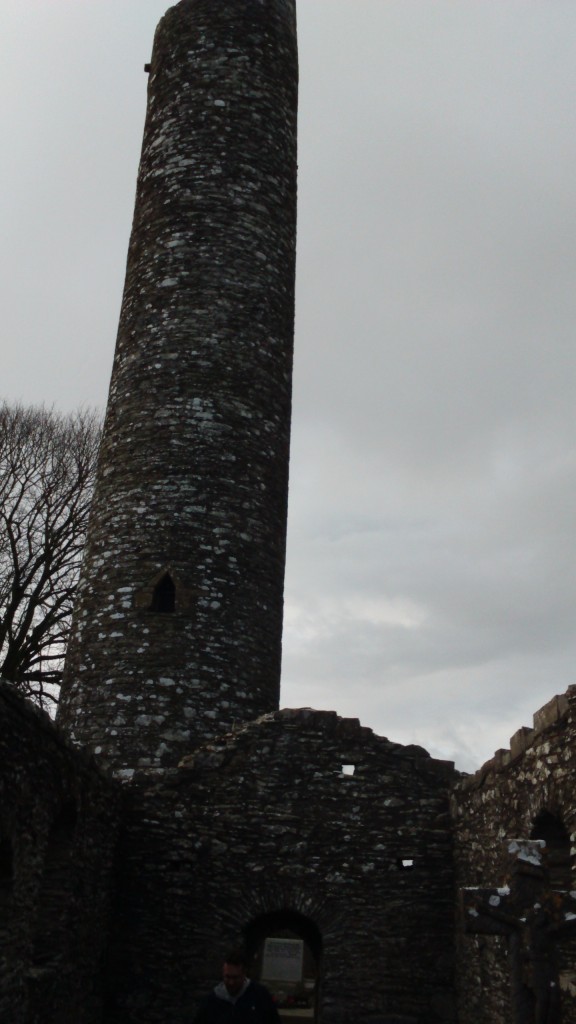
57	830
502	801
178	624
264	830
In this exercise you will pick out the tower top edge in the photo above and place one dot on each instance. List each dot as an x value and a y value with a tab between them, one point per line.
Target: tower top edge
234	5
229	20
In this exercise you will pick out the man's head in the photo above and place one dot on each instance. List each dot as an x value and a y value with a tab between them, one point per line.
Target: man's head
234	972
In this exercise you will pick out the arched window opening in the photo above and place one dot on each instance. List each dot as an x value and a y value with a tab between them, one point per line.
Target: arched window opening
285	950
164	595
56	887
551	829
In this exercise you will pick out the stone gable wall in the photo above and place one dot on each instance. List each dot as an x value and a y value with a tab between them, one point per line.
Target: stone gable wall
500	802
265	823
58	821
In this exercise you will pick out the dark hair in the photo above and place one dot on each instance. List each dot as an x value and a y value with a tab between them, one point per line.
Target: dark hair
237	957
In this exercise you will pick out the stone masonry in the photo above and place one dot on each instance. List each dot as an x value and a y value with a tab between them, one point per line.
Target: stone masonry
190	813
526	791
58	830
179	617
299	820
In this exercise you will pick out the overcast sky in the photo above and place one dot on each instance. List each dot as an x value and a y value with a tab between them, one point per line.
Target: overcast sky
431	583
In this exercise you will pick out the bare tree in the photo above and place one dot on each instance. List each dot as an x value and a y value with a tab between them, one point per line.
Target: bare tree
47	464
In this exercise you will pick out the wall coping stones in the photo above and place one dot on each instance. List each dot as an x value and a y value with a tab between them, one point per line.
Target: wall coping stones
216	753
555	712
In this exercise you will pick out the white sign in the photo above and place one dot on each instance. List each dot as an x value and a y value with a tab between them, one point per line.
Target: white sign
283	959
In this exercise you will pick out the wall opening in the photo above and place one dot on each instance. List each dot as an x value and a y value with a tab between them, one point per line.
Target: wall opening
284	949
551	829
164	595
406	863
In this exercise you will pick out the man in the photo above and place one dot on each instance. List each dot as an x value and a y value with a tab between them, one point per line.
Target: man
237	999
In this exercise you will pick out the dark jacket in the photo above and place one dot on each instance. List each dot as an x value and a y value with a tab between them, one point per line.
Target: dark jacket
254	1006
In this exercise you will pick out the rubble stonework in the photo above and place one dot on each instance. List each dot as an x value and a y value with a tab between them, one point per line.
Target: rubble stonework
265	830
58	827
198	815
192	487
533	781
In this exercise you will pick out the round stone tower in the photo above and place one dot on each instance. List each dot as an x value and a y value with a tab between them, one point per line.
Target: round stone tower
177	632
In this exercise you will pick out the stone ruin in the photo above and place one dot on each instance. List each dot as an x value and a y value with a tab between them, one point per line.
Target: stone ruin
174	810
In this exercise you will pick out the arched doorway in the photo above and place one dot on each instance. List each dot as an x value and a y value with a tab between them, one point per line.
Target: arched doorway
285	951
551	829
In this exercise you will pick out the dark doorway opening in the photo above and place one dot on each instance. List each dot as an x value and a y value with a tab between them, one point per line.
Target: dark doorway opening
551	829
164	595
285	952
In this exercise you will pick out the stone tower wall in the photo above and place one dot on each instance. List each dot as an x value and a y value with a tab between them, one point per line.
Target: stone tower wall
178	626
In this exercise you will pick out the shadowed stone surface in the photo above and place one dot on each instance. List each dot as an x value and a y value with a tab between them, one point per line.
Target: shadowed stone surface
263	826
58	827
534	781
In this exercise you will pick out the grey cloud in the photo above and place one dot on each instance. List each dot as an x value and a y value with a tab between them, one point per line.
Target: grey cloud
430	581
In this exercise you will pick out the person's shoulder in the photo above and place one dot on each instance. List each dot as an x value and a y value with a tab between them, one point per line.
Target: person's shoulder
257	986
258	990
206	1008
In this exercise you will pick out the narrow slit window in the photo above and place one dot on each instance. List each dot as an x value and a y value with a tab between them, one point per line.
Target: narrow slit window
406	863
164	596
